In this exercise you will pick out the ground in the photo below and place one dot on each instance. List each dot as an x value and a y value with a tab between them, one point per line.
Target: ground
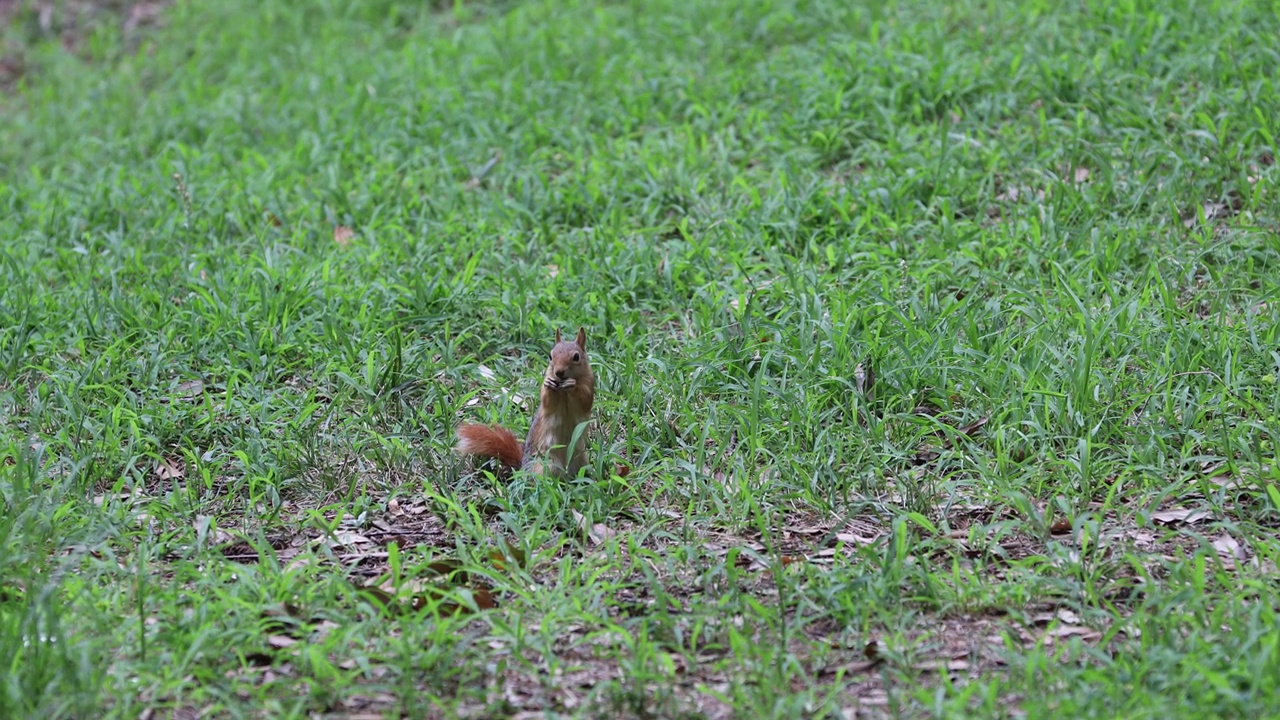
937	348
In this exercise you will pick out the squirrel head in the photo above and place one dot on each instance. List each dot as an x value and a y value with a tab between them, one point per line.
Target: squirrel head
568	362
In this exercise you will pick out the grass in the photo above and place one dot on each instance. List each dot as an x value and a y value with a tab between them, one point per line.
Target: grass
1049	229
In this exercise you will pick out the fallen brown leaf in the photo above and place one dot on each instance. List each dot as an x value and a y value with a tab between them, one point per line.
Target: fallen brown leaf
346	538
874	650
1015	193
404	542
188	389
376	596
851	539
864	379
973	427
1086	634
1174	516
499	556
281	618
1211	210
448	567
1229	550
343	235
937	665
483	598
480	595
280	641
598	533
477	178
169	469
857	667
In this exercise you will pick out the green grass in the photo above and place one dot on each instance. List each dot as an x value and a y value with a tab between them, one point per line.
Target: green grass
220	426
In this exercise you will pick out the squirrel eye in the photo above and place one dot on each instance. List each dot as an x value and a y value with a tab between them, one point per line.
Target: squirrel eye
577	357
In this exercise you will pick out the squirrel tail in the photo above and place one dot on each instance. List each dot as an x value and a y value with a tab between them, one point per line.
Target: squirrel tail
490	441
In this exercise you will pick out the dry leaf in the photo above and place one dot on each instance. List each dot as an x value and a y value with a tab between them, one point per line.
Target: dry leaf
1227	482
347	538
479	175
874	650
857	667
404	542
1063	630
143	14
598	533
1013	194
169	469
483	598
851	539
376	596
622	470
190	388
1212	211
480	595
1229	550
1080	175
936	665
449	567
280	641
1065	623
100	500
283	619
486	372
864	378
499	556
1174	516
973	427
343	235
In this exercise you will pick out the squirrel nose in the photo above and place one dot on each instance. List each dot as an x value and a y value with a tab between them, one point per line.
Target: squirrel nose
560	374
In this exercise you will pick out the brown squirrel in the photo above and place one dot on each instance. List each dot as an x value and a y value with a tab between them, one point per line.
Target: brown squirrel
568	389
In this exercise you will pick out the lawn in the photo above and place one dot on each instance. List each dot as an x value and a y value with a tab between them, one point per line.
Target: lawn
937	347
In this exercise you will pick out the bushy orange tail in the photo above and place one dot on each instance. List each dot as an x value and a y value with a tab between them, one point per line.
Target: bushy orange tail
490	441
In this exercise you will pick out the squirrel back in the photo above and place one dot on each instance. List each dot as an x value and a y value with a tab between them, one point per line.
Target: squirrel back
568	392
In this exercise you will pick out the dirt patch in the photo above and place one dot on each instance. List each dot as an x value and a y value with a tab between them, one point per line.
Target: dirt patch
67	22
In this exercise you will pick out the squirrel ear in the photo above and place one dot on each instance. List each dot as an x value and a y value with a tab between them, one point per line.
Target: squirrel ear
582	338
557	336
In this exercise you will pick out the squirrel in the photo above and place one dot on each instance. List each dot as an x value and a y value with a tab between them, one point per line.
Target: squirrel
568	389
